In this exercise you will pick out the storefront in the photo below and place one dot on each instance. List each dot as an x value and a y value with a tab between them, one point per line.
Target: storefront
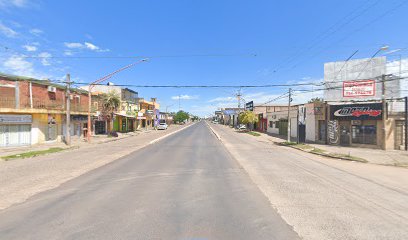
15	130
355	125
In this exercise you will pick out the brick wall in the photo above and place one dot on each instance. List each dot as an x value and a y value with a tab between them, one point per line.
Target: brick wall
42	98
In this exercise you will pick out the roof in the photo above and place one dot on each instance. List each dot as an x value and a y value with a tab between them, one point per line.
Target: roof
45	82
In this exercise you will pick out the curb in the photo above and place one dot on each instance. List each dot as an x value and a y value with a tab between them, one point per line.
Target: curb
212	130
169	134
326	155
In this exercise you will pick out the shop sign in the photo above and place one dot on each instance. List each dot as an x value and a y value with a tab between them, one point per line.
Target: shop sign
141	118
16	119
249	106
333	131
371	111
358	88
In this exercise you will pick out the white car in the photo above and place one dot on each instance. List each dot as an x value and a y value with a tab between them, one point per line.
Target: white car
162	126
242	127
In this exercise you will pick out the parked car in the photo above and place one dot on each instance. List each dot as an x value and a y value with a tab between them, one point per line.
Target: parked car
242	127
162	126
215	122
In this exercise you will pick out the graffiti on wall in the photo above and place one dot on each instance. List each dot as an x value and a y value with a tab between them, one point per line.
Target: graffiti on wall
333	131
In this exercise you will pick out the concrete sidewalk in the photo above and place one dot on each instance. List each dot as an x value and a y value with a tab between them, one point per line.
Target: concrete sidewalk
75	143
374	156
22	178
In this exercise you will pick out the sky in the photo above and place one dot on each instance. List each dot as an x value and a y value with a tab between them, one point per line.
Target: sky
208	42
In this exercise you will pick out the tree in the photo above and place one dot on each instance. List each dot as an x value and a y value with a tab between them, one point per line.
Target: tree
316	99
180	116
248	117
110	102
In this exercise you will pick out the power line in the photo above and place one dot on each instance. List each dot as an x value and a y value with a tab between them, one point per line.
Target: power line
327	32
354	31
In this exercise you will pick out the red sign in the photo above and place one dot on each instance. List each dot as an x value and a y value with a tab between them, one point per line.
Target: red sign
358	88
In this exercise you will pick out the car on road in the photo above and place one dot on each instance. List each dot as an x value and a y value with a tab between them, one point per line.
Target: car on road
162	126
215	122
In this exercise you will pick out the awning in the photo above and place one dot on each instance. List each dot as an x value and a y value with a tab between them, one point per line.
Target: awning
124	115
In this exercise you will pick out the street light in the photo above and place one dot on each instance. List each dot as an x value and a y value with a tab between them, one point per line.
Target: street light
383	48
91	85
169	106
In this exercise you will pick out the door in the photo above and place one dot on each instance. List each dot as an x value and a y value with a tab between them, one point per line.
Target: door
302	133
15	135
52	132
344	135
399	135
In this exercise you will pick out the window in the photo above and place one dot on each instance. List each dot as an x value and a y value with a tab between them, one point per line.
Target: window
361	134
270	124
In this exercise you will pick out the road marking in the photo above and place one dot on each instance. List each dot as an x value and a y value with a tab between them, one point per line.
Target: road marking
169	134
215	133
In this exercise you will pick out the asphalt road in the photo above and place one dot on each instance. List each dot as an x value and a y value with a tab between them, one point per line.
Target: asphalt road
186	186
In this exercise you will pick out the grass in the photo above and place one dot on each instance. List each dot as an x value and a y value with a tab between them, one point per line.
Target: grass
317	150
310	149
254	134
296	145
32	153
347	157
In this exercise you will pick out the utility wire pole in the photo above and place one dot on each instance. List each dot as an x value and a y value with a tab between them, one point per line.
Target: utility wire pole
68	115
290	100
179	102
384	110
239	95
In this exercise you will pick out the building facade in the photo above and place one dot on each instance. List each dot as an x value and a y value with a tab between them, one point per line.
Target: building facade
33	111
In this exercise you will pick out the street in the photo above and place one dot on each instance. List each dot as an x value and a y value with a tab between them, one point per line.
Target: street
324	198
186	186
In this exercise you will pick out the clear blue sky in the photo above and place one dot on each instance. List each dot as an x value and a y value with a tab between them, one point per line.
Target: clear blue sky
291	40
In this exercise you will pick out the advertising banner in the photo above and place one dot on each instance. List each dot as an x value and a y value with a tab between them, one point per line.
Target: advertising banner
370	111
358	88
249	106
16	119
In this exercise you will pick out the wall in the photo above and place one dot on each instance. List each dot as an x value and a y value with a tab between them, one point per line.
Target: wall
358	69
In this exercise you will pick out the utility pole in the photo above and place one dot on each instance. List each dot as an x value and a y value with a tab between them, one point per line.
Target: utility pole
68	115
384	111
179	102
239	95
406	124
290	100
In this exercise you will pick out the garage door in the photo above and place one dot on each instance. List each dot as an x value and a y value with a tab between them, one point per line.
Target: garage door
15	135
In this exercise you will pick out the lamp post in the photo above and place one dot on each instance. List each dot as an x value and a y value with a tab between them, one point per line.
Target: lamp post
91	85
383	48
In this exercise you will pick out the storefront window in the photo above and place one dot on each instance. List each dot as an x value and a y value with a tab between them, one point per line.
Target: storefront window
364	134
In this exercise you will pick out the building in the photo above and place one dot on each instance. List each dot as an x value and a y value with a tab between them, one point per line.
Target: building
230	116
365	107
33	111
149	113
124	119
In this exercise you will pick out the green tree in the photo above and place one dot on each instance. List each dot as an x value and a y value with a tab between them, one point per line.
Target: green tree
180	116
110	102
248	117
316	99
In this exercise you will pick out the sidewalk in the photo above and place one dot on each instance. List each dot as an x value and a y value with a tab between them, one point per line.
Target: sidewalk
374	156
75	143
22	178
